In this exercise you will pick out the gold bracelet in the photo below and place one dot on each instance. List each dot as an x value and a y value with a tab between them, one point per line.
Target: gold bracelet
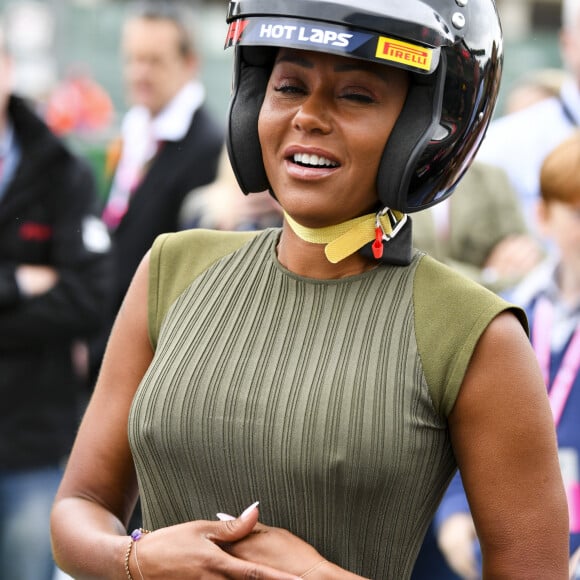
127	555
135	535
137	562
315	567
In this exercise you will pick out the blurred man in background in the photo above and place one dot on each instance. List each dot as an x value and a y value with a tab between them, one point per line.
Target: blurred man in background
519	142
169	143
54	281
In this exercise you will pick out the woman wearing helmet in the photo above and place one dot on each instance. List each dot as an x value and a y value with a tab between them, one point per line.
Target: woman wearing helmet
325	369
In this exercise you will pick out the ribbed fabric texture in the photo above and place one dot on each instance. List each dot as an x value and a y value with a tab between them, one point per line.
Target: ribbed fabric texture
306	395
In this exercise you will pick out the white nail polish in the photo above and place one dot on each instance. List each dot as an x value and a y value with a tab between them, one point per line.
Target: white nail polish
225	517
248	510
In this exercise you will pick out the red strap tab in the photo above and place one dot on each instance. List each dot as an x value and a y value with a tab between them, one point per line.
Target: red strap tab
378	244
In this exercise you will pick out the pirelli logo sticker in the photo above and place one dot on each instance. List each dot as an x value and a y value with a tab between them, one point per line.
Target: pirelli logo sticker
404	53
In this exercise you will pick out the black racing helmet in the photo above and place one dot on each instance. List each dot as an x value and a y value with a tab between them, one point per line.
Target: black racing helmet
453	49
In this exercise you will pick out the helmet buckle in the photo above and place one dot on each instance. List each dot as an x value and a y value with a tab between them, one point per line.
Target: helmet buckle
396	221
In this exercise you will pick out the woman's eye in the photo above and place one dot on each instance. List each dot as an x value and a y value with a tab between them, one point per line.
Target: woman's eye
358	97
289	89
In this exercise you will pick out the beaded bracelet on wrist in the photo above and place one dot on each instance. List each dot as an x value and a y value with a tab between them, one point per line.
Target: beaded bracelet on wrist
134	537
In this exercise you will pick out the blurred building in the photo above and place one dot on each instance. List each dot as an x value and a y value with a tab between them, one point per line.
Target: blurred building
50	39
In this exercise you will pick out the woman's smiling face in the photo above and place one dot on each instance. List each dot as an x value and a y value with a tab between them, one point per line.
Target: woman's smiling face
323	127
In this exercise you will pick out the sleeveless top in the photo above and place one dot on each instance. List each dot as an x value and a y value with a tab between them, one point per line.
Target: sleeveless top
326	400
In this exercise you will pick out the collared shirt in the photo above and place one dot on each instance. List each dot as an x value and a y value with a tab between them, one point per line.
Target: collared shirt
9	157
519	142
141	136
141	132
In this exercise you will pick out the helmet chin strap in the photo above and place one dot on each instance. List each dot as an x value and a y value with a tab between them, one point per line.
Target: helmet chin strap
344	239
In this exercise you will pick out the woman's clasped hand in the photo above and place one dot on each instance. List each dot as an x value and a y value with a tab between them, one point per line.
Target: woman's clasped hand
231	548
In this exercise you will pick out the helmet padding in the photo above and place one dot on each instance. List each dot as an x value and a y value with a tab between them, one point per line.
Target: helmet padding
243	142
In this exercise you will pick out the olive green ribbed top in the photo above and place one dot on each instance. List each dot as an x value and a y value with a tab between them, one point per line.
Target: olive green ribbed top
323	399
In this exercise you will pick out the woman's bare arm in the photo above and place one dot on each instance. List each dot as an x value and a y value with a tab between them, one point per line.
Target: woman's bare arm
99	489
505	443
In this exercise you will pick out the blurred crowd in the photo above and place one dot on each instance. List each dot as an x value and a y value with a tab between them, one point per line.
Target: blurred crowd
72	234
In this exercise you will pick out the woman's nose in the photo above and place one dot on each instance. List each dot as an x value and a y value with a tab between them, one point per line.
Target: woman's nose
314	114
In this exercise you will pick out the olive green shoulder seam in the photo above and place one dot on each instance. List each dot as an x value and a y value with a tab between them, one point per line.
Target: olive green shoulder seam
451	314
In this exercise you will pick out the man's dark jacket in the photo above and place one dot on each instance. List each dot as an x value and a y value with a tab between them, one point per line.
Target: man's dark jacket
178	168
48	216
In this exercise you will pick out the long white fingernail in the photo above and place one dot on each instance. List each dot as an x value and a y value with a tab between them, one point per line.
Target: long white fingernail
225	517
248	510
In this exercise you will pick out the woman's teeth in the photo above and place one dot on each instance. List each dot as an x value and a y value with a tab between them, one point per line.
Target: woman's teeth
313	160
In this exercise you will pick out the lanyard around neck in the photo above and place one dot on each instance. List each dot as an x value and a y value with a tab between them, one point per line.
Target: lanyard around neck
561	388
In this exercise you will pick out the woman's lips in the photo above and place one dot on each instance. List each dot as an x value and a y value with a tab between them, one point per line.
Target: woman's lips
310	163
